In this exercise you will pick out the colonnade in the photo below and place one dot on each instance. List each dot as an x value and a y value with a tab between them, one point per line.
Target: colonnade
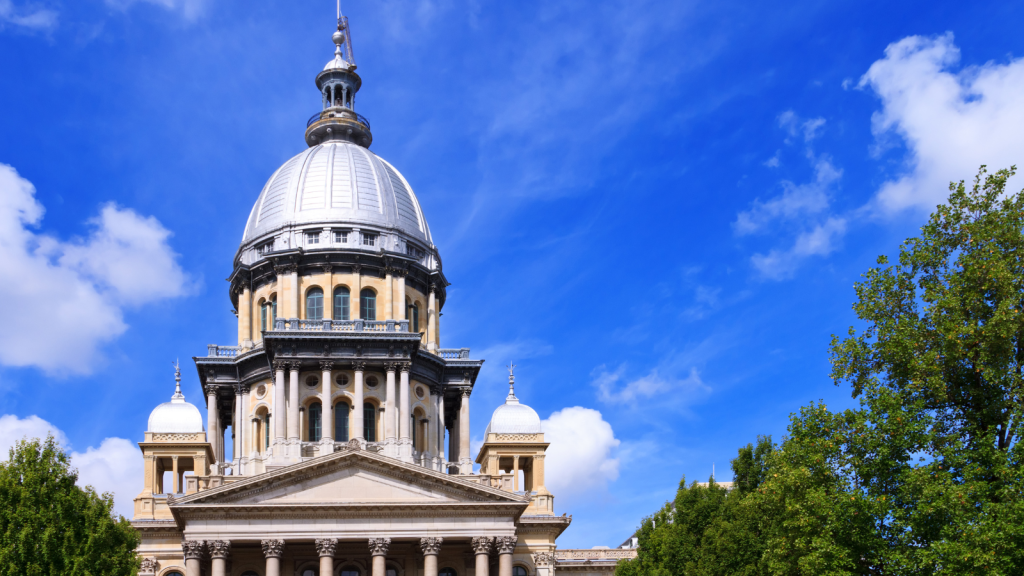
274	549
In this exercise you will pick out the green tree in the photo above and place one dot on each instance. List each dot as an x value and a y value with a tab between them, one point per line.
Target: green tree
926	476
50	526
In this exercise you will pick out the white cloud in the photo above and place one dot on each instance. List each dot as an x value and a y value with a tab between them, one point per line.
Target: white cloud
615	387
950	121
39	20
71	295
115	466
796	200
190	9
820	241
581	455
809	128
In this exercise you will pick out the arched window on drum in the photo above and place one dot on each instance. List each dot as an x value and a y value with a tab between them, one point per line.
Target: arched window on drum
368	304
315	304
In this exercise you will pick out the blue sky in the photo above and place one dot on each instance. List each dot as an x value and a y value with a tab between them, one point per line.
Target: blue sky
656	209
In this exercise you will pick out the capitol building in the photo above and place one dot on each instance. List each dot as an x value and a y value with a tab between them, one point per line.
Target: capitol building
349	422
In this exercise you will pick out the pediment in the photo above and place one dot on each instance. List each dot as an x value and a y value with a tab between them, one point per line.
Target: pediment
351	477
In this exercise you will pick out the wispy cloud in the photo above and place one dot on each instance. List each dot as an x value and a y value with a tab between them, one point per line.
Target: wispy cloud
620	387
189	9
796	200
822	240
42	20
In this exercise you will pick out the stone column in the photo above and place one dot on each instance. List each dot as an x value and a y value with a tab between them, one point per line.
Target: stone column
174	472
453	441
272	550
390	417
219	550
325	548
401	312
244	317
389	295
326	408
506	545
236	432
440	430
293	274
465	460
404	414
432	418
379	550
482	548
213	422
515	473
193	550
329	292
431	318
356	421
293	410
430	547
279	416
355	303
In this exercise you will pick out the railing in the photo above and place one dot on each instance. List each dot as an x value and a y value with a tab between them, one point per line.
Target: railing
453	353
598	554
341	325
359	117
213	350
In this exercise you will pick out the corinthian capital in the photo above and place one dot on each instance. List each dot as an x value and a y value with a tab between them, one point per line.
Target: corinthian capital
193	549
542	559
273	548
505	544
483	544
327	366
326	546
430	546
379	546
219	548
280	365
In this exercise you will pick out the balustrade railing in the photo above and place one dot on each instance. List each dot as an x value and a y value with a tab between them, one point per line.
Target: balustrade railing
317	117
215	351
592	554
341	325
453	353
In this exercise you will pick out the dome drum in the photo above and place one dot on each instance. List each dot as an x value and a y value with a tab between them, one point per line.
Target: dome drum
338	124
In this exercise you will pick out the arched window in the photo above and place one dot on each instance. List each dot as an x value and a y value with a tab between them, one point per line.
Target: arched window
315	422
309	572
249	573
349	571
273	309
370	422
518	571
266	431
368	304
341	303
341	422
315	304
173	574
447	572
412	314
264	311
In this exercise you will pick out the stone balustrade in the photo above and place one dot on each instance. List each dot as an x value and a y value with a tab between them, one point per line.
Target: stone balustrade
595	554
453	353
282	324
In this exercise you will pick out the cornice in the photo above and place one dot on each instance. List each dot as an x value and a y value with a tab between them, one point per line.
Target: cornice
318	511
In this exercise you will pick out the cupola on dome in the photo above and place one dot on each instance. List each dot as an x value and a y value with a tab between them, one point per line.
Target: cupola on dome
176	416
513	417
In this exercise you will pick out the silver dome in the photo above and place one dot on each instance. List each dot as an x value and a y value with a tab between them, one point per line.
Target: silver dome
176	416
514	418
334	183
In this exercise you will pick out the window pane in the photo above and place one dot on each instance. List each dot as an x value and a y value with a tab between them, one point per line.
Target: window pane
266	431
263	316
315	304
341	303
341	422
273	310
518	571
315	419
368	308
369	422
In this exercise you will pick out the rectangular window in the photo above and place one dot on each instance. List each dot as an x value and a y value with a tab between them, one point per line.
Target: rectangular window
264	249
341	237
312	238
369	239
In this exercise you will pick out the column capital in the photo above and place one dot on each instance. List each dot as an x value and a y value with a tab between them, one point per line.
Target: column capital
327	268
431	546
193	549
542	559
280	365
379	546
506	544
294	366
359	366
326	546
356	268
483	544
405	366
219	548
327	366
273	548
465	392
286	268
390	366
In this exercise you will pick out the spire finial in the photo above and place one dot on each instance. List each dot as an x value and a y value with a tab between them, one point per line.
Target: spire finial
511	382
177	382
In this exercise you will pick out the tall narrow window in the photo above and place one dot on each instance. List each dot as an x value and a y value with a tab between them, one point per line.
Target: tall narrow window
412	430
370	422
266	431
315	304
412	314
315	419
341	303
273	309
263	315
368	305
341	422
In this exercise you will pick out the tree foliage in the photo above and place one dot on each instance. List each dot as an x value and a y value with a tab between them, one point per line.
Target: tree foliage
50	526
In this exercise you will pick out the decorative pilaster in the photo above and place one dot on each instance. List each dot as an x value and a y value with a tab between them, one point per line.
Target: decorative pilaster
279	413
356	421
482	546
327	409
293	410
465	460
430	547
404	414
325	549
273	550
432	318
390	411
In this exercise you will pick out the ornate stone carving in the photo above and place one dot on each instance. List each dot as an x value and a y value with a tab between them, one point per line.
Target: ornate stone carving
390	366
483	544
327	366
327	268
505	544
379	546
518	437
405	366
273	548
295	366
285	269
280	365
148	566
219	548
177	437
465	392
193	549
354	444
431	546
543	559
326	546
359	366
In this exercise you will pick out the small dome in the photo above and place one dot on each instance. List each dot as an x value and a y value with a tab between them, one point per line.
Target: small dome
176	416
514	418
